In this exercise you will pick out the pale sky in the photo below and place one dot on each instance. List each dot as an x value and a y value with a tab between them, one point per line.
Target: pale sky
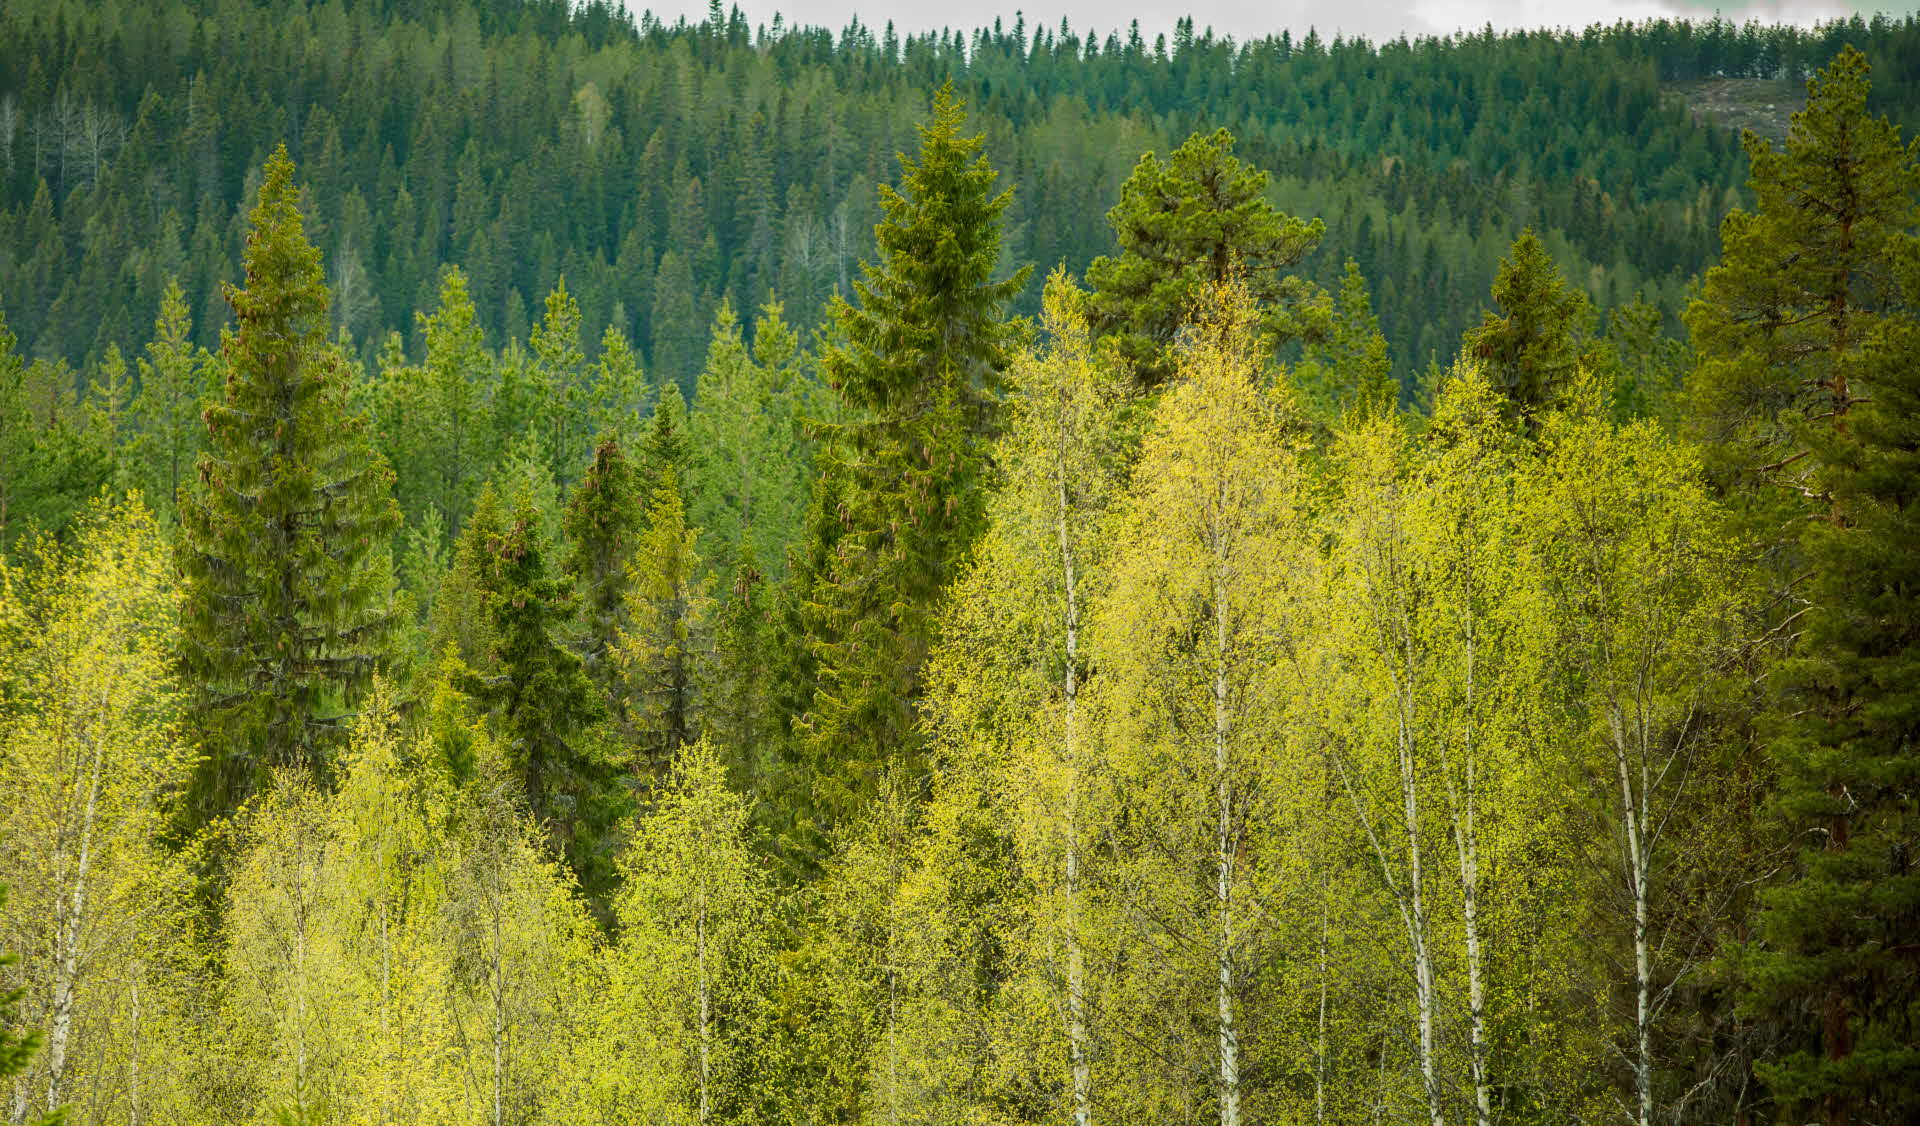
1376	19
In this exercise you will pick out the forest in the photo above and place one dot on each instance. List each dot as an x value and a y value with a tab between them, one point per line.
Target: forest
558	568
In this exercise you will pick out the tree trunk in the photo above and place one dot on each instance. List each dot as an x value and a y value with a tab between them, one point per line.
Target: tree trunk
1224	859
1078	1057
66	971
706	1015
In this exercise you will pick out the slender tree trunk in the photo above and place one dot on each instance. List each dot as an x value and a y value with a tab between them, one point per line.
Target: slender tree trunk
1224	860
706	1015
67	952
133	1063
1320	1038
1467	846
1634	813
386	1008
499	1004
1417	921
1078	1057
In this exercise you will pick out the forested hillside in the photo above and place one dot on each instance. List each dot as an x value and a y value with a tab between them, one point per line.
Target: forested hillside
554	571
660	169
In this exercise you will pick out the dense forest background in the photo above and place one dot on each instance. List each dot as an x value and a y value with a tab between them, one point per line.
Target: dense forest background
562	570
660	169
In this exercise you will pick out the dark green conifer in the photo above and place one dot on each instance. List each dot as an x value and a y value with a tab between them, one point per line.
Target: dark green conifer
1189	222
917	359
603	522
538	692
1531	348
1813	323
288	601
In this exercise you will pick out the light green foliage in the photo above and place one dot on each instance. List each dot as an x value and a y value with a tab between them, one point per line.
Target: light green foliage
619	396
663	644
174	379
92	766
435	422
1019	796
1434	635
748	489
1195	640
686	994
562	397
1643	588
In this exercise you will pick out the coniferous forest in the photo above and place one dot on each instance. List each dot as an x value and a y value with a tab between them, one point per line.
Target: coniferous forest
562	568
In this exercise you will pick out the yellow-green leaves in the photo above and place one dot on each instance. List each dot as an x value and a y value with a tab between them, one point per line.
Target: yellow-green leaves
92	764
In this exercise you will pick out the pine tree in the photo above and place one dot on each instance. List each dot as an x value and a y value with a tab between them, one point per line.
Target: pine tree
918	363
284	545
1530	350
1836	955
1803	281
1190	222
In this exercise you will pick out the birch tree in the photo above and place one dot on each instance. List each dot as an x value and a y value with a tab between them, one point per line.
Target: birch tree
92	766
1194	640
684	994
1643	582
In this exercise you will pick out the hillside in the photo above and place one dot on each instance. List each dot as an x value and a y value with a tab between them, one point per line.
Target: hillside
661	168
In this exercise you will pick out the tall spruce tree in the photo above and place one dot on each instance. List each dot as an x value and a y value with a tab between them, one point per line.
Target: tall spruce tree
542	700
1531	348
284	551
603	524
917	359
1837	958
1190	222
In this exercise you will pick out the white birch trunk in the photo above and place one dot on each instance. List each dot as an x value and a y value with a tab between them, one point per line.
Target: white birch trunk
706	1014
1467	847
1633	809
66	971
1078	1057
1224	859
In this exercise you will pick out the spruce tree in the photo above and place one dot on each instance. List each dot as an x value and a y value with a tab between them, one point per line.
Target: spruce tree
917	360
603	522
1190	222
1836	958
173	381
541	699
284	546
1532	347
662	644
666	449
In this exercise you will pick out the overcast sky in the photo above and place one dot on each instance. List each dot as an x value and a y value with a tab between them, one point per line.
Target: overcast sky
1376	19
